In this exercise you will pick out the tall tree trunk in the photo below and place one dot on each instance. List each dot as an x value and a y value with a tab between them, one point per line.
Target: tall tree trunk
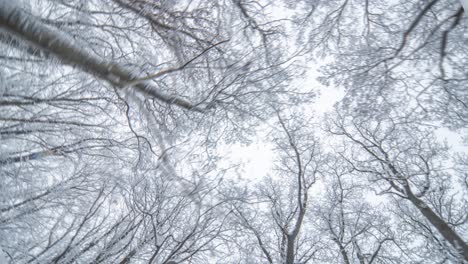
444	229
343	252
24	26
290	250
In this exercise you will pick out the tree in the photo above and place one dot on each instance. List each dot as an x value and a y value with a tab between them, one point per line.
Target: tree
359	232
405	55
407	162
115	117
97	92
281	202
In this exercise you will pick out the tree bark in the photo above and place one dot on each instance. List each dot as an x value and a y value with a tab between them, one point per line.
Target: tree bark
444	229
343	252
24	26
290	250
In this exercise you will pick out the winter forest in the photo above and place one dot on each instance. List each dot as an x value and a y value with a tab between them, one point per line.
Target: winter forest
233	131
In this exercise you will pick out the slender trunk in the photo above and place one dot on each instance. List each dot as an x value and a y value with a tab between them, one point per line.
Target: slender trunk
359	253
343	252
23	25
290	250
444	229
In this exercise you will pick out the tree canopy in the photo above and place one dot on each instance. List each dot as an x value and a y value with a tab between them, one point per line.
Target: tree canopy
118	119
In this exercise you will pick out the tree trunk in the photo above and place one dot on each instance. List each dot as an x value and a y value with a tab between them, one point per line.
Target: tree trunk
343	252
20	24
290	250
444	229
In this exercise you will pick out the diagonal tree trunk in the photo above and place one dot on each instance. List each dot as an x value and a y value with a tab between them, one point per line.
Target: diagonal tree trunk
23	26
444	229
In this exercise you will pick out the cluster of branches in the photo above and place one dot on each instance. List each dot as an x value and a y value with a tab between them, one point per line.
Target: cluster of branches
405	55
384	193
111	112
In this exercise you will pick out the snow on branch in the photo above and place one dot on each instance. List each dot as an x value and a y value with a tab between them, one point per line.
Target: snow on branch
25	27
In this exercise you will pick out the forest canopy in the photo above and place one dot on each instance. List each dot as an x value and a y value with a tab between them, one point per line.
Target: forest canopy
126	127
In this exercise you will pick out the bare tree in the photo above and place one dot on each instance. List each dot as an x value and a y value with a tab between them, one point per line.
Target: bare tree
405	55
96	92
407	160
112	114
359	231
283	200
